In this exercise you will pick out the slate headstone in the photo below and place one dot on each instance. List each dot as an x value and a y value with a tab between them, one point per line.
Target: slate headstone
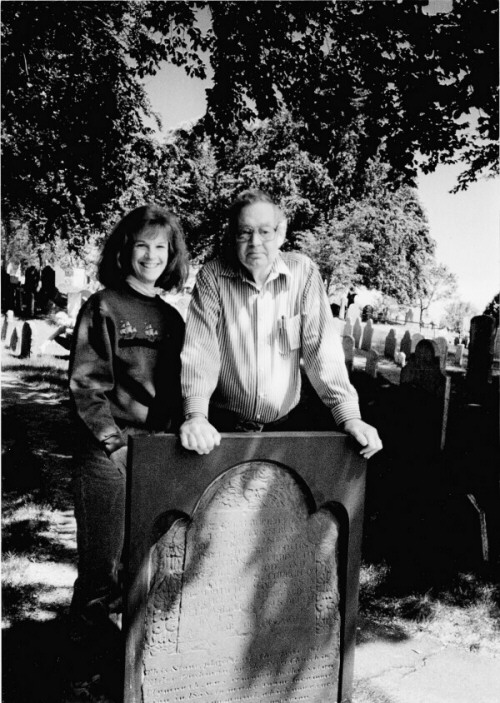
5	328
459	354
14	340
366	342
372	360
416	338
240	598
390	344
348	328
356	332
405	345
26	337
348	346
442	344
482	329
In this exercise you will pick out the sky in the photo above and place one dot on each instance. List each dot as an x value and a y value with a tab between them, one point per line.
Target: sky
465	225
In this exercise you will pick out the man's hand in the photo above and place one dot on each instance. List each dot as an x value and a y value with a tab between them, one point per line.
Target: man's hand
366	435
198	435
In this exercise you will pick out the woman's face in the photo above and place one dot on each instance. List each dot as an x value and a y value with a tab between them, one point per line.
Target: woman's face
149	255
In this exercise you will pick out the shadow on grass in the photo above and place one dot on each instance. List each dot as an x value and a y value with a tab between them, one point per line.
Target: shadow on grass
26	537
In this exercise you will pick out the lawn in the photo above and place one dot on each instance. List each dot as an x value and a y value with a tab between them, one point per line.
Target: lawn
39	550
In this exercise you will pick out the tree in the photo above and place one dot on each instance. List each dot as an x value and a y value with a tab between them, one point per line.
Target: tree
493	308
73	105
456	313
383	77
434	283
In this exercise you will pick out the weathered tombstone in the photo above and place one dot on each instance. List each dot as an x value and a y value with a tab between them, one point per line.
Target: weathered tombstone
348	328
456	341
400	359
409	315
366	342
14	340
390	344
405	345
459	354
496	349
372	359
482	329
442	344
356	332
238	591
367	313
26	337
5	328
431	400
353	311
348	345
416	338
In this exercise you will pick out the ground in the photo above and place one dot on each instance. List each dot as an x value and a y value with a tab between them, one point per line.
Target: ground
458	607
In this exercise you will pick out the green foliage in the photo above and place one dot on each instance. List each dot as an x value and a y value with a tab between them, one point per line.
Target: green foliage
73	105
380	78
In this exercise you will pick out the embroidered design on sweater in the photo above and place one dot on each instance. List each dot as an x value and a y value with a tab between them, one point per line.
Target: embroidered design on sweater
126	330
151	334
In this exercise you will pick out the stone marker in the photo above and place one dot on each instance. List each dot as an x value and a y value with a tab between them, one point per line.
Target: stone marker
241	598
5	328
405	345
416	338
482	329
353	311
459	354
348	345
496	349
14	340
442	344
409	315
372	359
366	342
26	337
347	328
356	332
400	358
423	373
390	344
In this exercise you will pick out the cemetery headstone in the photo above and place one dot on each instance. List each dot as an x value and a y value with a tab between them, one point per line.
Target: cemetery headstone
400	358
390	344
416	338
405	345
5	328
366	342
356	332
431	393
442	344
348	345
409	315
372	360
353	311
348	328
14	340
367	313
482	329
26	338
496	349
459	354
236	590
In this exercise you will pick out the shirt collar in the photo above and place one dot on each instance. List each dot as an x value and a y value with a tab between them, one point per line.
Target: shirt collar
279	268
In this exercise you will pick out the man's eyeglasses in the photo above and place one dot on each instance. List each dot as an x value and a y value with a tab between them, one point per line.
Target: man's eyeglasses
266	234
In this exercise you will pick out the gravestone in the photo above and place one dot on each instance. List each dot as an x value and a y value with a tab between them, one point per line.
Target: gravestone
366	342
405	345
348	328
459	354
14	340
416	338
353	311
430	400
482	329
496	349
348	346
26	337
390	344
371	367
400	359
243	582
409	315
367	313
356	332
5	328
442	344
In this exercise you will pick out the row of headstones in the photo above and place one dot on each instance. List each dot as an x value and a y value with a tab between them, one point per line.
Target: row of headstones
17	338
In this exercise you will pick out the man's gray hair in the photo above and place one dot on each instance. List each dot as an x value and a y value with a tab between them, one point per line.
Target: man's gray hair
250	197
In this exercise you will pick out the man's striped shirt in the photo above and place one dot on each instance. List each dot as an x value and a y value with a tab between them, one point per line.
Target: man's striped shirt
243	345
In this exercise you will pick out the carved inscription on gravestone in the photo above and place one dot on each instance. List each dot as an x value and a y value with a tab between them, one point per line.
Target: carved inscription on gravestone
243	602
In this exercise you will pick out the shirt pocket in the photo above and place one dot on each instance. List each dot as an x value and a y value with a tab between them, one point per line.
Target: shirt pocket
289	334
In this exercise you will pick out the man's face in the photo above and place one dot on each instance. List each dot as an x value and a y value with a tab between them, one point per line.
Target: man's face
257	254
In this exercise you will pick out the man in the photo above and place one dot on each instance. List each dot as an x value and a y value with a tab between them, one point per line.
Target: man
255	312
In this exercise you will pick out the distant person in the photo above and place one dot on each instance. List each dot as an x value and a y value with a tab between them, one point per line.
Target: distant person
124	379
255	312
